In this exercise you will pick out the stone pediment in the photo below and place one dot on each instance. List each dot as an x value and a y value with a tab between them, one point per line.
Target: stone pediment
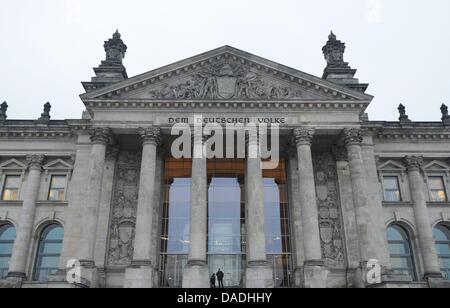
226	74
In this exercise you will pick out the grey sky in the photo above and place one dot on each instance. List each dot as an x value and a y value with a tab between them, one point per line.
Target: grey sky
400	47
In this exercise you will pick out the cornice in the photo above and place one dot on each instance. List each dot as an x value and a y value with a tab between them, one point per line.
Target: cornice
413	131
32	129
227	104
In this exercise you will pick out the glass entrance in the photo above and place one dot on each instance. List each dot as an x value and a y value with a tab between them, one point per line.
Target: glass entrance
226	220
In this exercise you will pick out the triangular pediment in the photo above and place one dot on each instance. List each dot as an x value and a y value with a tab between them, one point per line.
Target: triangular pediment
436	166
391	165
57	164
226	73
12	164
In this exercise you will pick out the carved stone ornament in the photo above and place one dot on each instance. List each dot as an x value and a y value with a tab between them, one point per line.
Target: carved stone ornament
150	135
100	135
227	80
330	220
303	136
35	161
353	136
124	209
413	163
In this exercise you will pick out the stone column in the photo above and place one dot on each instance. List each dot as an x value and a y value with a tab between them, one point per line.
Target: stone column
315	274
142	271
258	272
366	226
424	230
22	243
100	138
296	216
196	272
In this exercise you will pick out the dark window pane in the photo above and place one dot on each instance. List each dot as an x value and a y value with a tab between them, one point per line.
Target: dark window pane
400	251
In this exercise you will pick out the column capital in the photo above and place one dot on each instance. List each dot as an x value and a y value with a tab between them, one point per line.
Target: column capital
150	135
413	163
353	136
35	161
303	136
100	135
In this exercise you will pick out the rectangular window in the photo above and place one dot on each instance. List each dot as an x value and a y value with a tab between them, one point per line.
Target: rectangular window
437	189
391	189
57	190
11	188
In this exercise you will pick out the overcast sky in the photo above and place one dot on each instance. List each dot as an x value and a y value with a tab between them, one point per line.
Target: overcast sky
400	47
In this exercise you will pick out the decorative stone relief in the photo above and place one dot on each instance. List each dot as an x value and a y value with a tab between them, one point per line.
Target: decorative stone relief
123	217
330	220
227	80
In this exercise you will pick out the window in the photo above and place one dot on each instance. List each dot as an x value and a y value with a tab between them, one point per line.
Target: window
391	189
11	188
49	252
442	237
437	189
57	190
7	237
400	251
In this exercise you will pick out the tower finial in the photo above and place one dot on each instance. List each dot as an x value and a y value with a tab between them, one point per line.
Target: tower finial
445	115
403	116
3	109
45	116
115	48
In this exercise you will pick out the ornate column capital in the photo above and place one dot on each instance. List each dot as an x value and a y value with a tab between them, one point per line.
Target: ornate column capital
151	135
35	161
101	135
353	136
303	136
413	163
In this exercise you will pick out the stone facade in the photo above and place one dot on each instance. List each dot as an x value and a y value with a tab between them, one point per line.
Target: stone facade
113	162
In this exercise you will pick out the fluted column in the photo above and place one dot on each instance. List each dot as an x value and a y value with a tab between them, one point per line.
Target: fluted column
315	273
258	272
307	194
100	138
353	139
424	230
23	240
196	273
141	272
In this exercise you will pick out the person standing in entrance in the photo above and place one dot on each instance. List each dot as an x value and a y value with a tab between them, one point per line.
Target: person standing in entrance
212	280
220	276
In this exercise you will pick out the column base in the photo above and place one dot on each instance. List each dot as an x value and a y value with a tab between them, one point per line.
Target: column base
196	275
140	275
315	275
89	275
259	275
16	276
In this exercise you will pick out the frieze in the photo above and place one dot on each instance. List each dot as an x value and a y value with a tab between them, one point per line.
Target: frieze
124	208
330	219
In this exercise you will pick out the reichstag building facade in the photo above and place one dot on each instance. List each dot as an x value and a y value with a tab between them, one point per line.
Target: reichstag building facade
106	189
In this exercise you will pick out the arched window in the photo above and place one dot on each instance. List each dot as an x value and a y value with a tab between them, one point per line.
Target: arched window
400	251
49	252
442	237
7	237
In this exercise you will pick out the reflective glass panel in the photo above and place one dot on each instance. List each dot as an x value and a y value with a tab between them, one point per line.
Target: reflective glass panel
400	251
442	237
49	252
7	237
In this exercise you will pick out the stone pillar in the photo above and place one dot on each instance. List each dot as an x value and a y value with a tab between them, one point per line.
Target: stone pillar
258	272
100	138
22	243
142	271
196	272
353	139
314	272
348	211
424	230
296	216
